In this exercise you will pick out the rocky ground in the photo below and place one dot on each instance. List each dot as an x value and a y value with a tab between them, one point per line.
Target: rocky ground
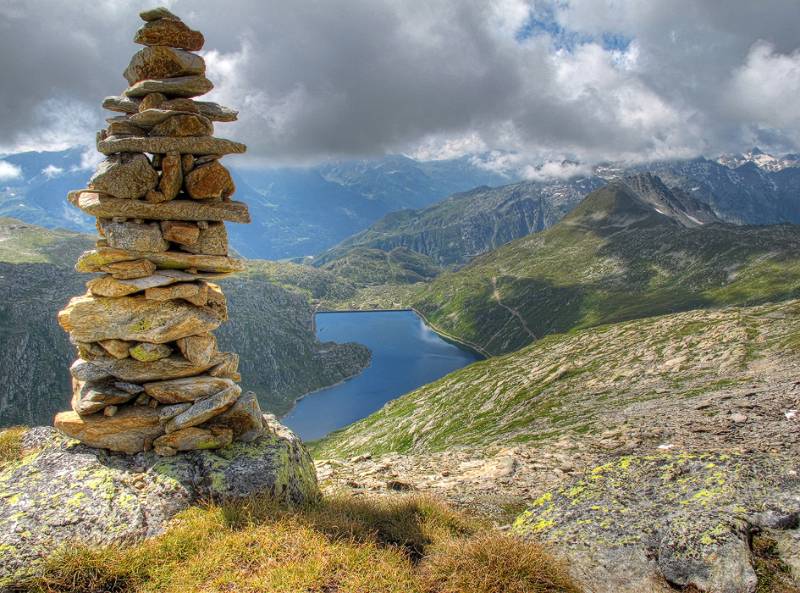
670	459
62	492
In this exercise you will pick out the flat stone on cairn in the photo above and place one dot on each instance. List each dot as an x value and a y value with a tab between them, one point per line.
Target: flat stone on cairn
150	375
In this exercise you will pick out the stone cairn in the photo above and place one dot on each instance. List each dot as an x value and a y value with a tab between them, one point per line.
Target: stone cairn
149	373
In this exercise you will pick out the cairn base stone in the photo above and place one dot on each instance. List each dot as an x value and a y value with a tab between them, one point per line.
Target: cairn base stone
64	492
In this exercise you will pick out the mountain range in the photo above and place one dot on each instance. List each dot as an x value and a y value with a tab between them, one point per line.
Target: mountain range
761	190
630	249
296	211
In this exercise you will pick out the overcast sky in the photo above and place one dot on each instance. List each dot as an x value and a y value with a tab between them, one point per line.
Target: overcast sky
588	80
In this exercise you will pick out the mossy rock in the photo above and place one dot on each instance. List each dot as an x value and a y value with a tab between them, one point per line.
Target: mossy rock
63	492
668	520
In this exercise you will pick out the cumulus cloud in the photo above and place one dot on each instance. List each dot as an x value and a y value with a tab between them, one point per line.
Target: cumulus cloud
525	82
51	171
764	91
9	171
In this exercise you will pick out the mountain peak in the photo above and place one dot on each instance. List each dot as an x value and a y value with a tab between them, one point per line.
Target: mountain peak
638	201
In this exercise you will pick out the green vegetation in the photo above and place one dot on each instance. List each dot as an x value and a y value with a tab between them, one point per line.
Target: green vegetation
469	223
613	258
403	545
369	267
11	444
774	576
23	243
577	383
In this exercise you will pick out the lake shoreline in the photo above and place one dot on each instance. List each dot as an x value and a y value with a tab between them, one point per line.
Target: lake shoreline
406	353
474	348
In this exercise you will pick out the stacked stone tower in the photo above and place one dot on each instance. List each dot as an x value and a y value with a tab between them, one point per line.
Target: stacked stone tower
149	373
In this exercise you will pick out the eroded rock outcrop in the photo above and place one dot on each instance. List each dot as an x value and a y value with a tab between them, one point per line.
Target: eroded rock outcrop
63	492
669	521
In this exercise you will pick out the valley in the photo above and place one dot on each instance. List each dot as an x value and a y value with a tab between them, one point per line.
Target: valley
396	297
632	332
271	325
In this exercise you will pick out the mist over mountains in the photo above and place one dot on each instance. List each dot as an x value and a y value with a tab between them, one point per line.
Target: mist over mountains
300	212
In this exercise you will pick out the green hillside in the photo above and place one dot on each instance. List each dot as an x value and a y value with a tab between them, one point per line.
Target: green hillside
369	267
470	223
615	257
656	376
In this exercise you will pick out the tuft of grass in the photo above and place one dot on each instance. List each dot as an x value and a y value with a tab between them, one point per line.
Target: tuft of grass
357	545
774	576
11	444
494	563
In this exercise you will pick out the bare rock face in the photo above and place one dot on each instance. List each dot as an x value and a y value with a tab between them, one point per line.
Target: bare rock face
243	418
105	206
108	286
92	397
169	32
125	175
183	233
209	181
198	145
186	390
194	292
205	409
106	259
198	349
128	269
90	319
668	521
171	176
213	240
183	86
163	62
155	14
132	429
147	352
183	125
193	438
135	371
134	236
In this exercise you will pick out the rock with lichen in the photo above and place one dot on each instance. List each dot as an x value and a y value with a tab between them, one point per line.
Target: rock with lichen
62	492
665	521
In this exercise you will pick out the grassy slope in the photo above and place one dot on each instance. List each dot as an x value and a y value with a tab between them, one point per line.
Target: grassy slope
575	383
410	545
609	261
368	267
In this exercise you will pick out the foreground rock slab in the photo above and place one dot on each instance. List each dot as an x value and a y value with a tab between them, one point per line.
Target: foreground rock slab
63	492
673	520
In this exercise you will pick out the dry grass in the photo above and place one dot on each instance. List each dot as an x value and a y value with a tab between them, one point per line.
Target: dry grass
493	563
342	544
773	574
11	444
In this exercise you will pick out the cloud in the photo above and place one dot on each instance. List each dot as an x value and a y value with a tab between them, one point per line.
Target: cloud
51	171
764	91
585	80
9	171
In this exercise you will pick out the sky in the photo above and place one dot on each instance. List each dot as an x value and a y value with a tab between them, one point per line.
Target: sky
517	82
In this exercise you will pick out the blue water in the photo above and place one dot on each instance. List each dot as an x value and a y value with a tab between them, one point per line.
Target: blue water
405	355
